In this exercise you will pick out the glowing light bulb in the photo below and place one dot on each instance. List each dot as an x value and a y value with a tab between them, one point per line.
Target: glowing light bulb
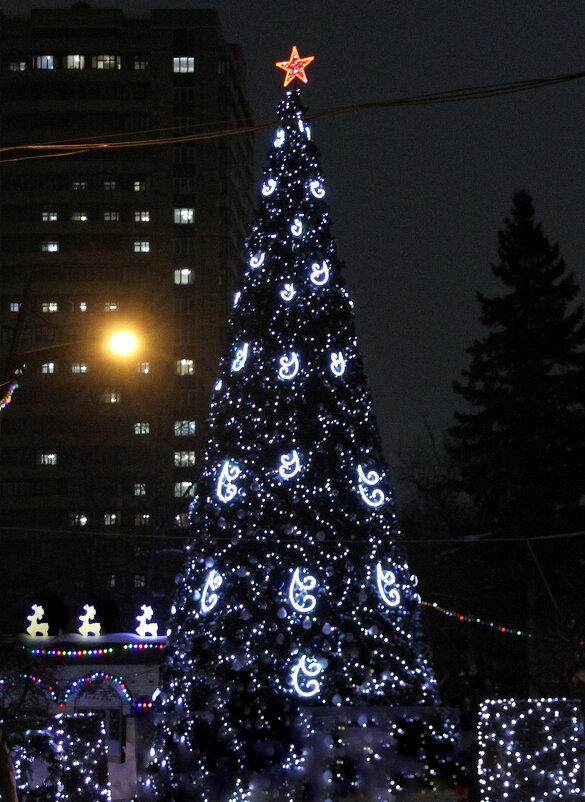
123	343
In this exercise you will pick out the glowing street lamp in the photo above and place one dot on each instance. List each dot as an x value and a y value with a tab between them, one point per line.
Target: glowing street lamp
123	343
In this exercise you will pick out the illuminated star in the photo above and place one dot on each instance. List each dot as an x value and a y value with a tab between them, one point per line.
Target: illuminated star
295	67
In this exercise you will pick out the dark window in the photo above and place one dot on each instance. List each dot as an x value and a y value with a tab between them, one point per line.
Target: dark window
183	41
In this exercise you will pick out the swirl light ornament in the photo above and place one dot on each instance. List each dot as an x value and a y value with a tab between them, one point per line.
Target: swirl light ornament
298	592
279	138
257	260
386	581
308	668
319	274
208	596
296	227
268	187
240	357
367	482
338	363
317	189
289	366
290	464
288	292
226	489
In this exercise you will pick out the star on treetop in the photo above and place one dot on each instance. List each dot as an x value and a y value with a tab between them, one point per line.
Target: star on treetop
295	67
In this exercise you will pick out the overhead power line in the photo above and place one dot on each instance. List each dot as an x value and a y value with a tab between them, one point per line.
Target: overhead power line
239	127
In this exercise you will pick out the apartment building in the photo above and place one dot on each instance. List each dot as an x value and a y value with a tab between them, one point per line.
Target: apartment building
139	229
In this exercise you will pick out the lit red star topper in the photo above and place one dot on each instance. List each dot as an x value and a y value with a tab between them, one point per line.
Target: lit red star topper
295	67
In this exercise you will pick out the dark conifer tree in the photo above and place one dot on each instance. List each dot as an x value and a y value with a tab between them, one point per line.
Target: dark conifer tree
520	444
295	594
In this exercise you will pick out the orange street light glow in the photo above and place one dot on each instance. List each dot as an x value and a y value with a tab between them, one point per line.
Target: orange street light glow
123	343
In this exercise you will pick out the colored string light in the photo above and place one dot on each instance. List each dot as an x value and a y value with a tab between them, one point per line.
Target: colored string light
106	651
468	619
7	397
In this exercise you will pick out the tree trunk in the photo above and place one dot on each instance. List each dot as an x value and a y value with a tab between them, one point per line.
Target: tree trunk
8	791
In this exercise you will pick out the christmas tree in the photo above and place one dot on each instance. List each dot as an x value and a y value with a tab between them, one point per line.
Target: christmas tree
296	600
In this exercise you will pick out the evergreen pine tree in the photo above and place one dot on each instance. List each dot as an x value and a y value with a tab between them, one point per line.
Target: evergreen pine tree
295	598
520	446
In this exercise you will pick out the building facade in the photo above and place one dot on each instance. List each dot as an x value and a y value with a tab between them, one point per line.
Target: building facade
138	228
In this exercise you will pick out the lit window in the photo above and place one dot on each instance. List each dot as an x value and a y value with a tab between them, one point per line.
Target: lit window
75	62
111	306
184	428
141	518
184	275
139	580
185	367
77	519
111	396
47	458
111	216
79	367
48	367
184	489
44	62
184	459
49	217
82	306
110	184
142	216
183	64
80	183
49	306
111	581
50	246
139	488
17	66
184	215
143	367
106	62
79	217
141	62
111	518
14	306
141	246
142	427
139	185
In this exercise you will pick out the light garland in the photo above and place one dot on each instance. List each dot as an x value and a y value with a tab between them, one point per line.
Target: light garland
73	749
530	750
475	620
7	397
98	676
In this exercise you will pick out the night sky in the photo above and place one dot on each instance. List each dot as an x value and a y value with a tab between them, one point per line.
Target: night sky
417	194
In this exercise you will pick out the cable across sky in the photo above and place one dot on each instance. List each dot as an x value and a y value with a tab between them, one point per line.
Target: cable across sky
239	127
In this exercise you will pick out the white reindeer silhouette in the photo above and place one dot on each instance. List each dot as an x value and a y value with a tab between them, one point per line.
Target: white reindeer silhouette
86	629
145	630
36	628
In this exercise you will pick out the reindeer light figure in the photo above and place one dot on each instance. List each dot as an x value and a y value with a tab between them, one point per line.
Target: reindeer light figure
86	629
